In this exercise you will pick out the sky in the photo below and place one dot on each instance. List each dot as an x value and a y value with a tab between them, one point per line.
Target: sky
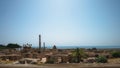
60	22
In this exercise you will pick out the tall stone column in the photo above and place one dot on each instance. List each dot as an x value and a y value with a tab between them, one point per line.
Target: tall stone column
43	46
39	43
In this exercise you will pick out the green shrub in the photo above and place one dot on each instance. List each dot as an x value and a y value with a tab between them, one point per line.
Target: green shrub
101	59
116	54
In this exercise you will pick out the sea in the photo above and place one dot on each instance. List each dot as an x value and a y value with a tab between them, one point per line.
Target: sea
84	46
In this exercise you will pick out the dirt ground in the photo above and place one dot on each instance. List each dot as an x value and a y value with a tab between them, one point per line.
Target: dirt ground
60	66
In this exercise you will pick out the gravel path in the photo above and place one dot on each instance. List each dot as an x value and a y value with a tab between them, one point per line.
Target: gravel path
60	66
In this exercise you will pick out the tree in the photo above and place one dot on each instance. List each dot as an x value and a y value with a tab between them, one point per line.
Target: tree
82	53
2	47
78	54
54	47
11	45
101	59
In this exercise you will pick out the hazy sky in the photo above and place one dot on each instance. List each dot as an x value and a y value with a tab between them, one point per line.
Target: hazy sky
60	22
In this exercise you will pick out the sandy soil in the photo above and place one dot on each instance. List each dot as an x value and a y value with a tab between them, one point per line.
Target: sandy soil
60	66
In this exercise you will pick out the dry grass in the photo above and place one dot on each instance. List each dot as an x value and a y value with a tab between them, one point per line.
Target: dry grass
114	61
6	62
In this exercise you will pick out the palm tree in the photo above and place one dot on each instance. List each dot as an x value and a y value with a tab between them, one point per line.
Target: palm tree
78	54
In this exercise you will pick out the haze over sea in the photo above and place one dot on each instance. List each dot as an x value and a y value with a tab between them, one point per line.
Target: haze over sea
84	46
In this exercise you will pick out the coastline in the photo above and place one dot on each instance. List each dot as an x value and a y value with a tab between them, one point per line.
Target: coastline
84	46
